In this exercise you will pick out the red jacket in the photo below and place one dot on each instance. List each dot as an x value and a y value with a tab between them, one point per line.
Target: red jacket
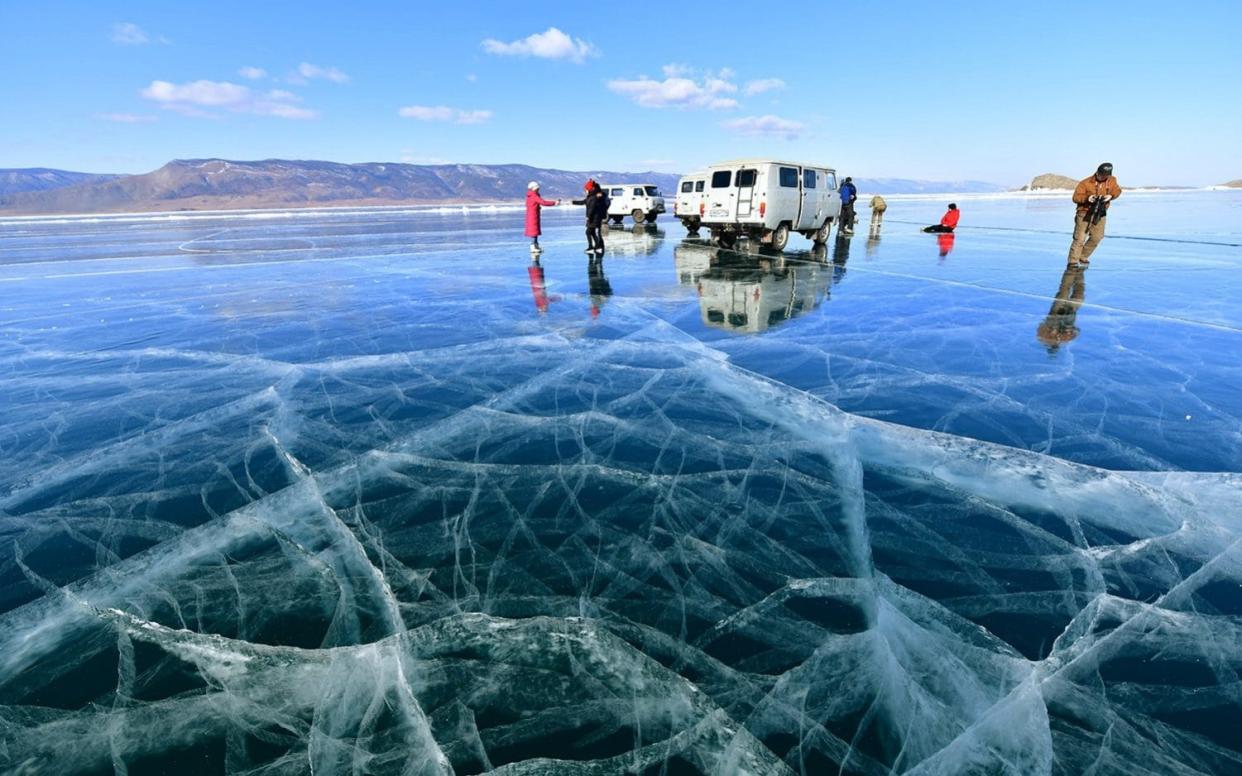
951	218
533	203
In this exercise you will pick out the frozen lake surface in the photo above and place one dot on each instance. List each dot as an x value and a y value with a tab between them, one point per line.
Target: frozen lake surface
368	491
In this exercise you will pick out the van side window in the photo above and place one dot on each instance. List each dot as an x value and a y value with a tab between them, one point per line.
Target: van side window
832	180
638	191
721	179
746	178
687	187
616	192
808	179
789	178
698	186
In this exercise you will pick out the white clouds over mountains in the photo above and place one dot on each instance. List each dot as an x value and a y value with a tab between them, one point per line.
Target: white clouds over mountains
679	90
200	98
443	113
550	44
766	126
308	72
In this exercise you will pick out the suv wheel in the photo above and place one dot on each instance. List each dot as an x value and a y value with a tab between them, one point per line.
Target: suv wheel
780	237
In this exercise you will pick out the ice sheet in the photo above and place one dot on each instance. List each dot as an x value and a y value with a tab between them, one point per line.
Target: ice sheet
377	494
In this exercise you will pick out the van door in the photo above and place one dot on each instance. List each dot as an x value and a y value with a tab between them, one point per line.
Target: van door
812	184
721	197
746	192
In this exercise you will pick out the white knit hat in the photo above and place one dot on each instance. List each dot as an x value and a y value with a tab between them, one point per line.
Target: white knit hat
532	185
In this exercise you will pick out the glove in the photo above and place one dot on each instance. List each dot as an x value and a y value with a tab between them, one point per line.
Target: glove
1108	197
1093	198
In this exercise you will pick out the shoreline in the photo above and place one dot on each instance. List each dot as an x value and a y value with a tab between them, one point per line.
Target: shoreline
486	206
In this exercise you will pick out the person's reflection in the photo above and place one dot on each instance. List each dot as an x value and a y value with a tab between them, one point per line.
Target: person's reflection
598	284
840	255
538	288
1058	328
873	245
944	241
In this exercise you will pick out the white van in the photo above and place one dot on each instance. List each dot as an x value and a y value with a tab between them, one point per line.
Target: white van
691	202
766	199
642	201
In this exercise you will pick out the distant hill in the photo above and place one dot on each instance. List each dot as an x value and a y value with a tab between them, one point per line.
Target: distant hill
908	186
211	184
44	179
1050	180
1234	184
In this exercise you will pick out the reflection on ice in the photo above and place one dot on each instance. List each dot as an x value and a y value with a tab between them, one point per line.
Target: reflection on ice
605	547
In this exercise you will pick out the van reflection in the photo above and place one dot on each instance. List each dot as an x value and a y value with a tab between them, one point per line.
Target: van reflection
751	293
641	240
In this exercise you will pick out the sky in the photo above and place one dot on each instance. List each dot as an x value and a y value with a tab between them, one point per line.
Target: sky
987	91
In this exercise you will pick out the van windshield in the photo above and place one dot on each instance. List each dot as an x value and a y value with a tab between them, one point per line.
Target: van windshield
652	191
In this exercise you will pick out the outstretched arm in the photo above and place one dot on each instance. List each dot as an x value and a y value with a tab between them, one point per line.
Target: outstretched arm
545	202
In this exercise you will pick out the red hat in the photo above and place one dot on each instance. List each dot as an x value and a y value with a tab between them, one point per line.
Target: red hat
590	184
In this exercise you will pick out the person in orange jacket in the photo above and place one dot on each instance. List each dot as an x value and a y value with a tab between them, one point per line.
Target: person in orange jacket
948	222
1093	196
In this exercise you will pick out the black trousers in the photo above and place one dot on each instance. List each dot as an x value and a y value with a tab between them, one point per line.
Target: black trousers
595	239
938	228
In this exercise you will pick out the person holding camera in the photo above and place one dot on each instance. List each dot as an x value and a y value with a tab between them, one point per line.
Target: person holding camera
1093	196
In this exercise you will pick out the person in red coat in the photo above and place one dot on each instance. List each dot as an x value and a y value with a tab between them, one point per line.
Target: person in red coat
534	203
948	222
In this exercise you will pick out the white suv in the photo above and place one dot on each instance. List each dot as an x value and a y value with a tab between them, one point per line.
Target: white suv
642	201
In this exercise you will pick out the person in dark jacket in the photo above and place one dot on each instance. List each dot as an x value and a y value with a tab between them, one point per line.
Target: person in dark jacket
596	204
849	194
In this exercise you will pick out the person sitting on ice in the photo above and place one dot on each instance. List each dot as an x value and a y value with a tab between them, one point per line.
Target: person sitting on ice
948	222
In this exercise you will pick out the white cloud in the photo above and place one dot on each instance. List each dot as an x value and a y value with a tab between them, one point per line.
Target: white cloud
129	34
126	118
766	126
444	113
409	156
308	72
679	91
552	44
197	97
471	77
252	73
761	85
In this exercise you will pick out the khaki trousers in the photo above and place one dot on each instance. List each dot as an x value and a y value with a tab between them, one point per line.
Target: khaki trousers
1087	238
877	219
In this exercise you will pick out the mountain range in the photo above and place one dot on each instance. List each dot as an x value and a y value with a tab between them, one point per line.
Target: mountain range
220	184
43	178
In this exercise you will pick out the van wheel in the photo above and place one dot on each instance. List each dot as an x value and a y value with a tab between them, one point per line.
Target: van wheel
780	237
617	219
726	239
638	216
822	233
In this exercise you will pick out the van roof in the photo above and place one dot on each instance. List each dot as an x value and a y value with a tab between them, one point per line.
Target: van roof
757	160
607	185
695	174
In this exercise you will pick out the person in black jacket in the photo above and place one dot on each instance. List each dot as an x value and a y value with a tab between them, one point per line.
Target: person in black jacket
596	214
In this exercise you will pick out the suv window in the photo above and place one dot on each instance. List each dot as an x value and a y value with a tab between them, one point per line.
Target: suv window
687	187
832	180
616	192
638	191
721	179
808	179
652	191
746	178
698	185
789	178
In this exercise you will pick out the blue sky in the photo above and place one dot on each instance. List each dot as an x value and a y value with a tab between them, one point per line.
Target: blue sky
989	91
